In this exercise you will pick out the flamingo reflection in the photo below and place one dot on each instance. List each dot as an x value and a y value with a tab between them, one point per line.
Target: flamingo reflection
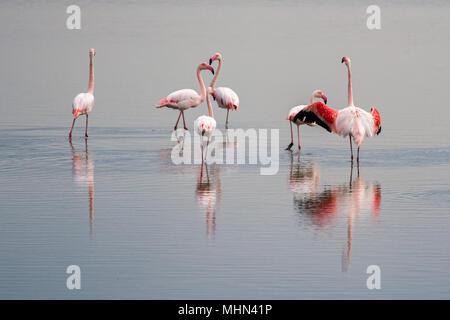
321	206
208	194
83	175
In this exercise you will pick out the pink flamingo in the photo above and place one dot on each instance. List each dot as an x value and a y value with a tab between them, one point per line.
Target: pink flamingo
351	121
84	102
293	112
186	98
225	97
205	125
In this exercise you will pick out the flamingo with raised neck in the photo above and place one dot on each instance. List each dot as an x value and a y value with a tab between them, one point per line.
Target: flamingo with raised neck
84	102
225	97
351	121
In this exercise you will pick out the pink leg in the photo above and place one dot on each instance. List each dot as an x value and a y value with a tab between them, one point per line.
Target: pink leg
292	138
298	135
70	133
351	149
176	124
226	122
85	134
182	114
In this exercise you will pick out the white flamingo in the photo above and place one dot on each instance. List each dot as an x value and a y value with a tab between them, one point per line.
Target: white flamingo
84	102
226	98
206	125
186	98
293	112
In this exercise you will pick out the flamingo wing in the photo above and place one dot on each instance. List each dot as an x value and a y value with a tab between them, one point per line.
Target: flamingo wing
227	98
181	99
82	103
318	113
376	120
356	122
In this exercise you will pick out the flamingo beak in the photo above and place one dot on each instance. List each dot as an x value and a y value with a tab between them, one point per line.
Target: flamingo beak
324	97
343	59
210	61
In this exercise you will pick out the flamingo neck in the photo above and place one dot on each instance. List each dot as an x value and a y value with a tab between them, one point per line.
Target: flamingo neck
311	101
350	91
91	75
210	110
213	82
202	85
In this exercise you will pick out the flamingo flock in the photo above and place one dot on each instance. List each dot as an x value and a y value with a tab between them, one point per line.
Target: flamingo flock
351	121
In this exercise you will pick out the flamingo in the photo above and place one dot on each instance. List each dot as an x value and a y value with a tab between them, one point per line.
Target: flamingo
84	102
186	98
293	112
205	125
225	97
350	121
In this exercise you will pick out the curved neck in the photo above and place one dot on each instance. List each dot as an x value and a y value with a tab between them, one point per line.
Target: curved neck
202	85
91	75
311	101
350	92
210	110
213	82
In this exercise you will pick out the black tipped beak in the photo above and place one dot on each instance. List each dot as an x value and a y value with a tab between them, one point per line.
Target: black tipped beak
210	61
343	59
326	101
212	71
214	97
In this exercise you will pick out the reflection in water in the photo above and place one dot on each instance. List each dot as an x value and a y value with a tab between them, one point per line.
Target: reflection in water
83	174
208	193
321	206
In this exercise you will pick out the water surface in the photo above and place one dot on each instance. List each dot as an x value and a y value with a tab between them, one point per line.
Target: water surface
140	226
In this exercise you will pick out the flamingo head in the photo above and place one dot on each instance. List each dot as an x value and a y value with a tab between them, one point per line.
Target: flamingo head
320	95
204	66
215	57
91	52
212	92
346	61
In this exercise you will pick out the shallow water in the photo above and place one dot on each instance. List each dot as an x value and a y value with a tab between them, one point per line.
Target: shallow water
140	226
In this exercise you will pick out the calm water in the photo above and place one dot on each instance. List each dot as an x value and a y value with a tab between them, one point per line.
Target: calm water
140	226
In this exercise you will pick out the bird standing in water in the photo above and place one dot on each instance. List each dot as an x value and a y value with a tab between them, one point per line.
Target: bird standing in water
84	102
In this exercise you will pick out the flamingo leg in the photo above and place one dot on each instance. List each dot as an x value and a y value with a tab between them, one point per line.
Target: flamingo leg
206	152
201	147
351	149
85	134
70	133
176	124
184	123
298	136
357	157
226	122
292	138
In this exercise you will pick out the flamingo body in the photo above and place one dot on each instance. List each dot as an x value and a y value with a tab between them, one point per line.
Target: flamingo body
181	100
83	103
205	126
351	121
226	98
